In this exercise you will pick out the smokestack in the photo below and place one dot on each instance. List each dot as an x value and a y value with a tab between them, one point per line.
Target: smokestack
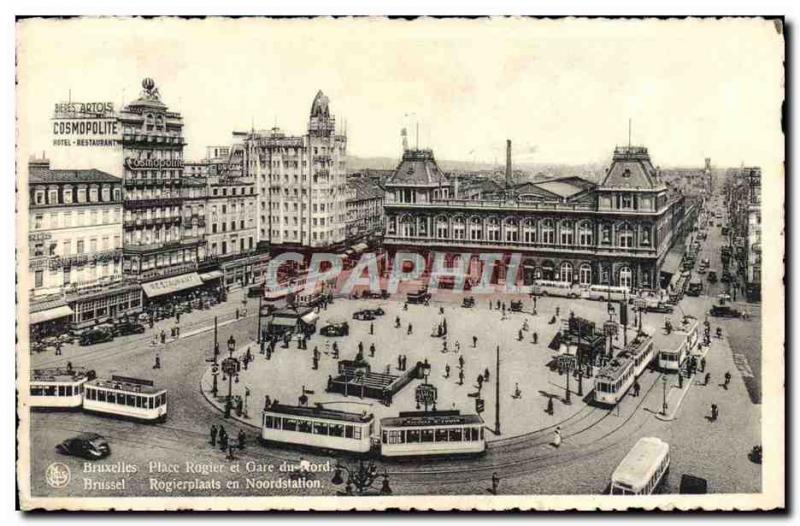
508	163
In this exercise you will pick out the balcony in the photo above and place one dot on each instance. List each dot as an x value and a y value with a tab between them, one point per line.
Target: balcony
483	204
156	202
142	221
151	247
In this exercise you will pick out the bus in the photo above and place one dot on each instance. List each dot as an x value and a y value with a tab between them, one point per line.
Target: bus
566	289
642	469
420	433
615	378
58	387
318	427
607	292
125	397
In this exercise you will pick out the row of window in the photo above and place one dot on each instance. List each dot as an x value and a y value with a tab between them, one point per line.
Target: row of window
448	434
224	246
300	425
70	218
130	400
39	248
56	390
70	194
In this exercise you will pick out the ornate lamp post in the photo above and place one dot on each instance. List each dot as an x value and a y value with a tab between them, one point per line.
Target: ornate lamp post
362	477
664	400
230	367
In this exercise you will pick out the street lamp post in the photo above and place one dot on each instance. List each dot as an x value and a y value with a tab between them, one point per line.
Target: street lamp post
664	400
258	336
362	477
230	367
216	343
568	399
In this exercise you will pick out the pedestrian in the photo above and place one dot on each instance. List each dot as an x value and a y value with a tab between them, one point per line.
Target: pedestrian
707	378
158	363
372	350
163	336
461	377
371	328
361	348
410	329
213	435
237	314
223	439
447	371
461	362
550	407
557	437
517	393
458	346
535	338
714	412
241	439
441	311
703	363
267	402
727	379
399	362
486	375
480	382
490	304
498	304
504	308
519	335
397	322
495	483
558	311
315	363
636	388
474	342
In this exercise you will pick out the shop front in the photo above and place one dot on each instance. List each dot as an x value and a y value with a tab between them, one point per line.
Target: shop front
100	306
49	318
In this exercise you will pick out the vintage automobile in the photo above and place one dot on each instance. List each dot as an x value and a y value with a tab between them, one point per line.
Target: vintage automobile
724	311
382	295
255	291
695	288
726	277
712	275
363	315
420	296
128	327
90	446
335	328
661	307
516	306
468	302
377	311
97	335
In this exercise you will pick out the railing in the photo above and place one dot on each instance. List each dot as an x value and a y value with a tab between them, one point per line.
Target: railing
494	203
151	247
153	202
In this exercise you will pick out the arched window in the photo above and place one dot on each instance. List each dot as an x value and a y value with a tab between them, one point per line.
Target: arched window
625	236
585	234
493	229
442	227
511	230
529	231
475	229
585	274
548	232
407	227
625	277
458	228
566	233
565	272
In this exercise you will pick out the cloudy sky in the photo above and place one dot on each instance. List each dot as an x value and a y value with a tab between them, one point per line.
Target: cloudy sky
563	91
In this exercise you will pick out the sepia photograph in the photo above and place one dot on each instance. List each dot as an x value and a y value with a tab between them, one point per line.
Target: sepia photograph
367	263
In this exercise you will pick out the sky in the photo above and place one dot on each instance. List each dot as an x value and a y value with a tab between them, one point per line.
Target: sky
563	91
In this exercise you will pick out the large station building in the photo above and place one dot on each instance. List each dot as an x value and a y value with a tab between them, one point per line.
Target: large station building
617	231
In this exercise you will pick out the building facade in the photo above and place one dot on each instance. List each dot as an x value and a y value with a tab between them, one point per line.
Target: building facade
300	182
743	196
364	205
570	229
75	241
152	145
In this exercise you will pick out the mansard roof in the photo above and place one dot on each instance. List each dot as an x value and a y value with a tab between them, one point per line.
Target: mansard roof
418	168
631	169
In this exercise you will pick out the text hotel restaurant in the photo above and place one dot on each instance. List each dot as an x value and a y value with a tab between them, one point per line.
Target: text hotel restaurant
150	227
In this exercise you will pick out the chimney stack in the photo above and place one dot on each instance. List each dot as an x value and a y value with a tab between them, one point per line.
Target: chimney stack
508	163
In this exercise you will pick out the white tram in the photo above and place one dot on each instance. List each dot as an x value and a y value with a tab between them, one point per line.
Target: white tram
432	433
58	387
318	427
679	344
614	380
127	398
642	469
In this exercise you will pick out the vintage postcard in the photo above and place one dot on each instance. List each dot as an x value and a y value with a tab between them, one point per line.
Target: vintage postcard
431	264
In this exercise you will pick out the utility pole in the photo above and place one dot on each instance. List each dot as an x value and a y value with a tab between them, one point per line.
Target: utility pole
216	343
497	395
260	298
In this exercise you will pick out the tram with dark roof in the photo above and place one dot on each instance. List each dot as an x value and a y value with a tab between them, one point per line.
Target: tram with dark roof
318	427
58	387
418	433
124	397
614	380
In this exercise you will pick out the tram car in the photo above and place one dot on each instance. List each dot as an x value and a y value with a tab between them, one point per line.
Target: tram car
318	427
124	397
614	380
58	387
418	433
679	344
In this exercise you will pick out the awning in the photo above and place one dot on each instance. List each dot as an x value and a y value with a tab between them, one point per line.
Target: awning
170	285
50	314
284	322
214	274
359	247
310	318
672	262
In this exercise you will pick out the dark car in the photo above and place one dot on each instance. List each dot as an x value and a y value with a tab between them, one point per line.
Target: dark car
691	485
363	315
94	336
382	295
255	291
420	296
128	327
335	329
516	306
468	302
724	311
90	446
377	311
661	307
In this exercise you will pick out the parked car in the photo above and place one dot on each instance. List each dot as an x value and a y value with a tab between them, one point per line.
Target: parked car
516	306
335	328
691	485
661	307
468	302
377	311
363	315
98	335
128	327
724	311
712	276
695	288
90	446
255	291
